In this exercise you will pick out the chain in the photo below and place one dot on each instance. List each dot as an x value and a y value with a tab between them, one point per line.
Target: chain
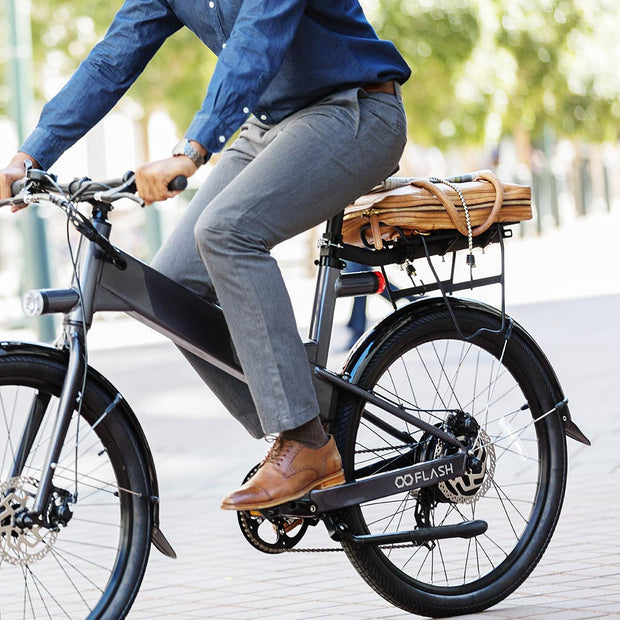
387	448
337	549
340	549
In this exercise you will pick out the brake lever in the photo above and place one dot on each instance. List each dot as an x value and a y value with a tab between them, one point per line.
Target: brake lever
128	190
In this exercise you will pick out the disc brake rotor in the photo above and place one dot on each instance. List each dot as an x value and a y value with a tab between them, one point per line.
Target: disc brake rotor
470	487
21	546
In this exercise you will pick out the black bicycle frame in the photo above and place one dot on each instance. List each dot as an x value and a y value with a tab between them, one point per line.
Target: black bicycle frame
199	326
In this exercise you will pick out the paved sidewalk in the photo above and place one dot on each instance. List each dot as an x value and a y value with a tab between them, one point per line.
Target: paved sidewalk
201	453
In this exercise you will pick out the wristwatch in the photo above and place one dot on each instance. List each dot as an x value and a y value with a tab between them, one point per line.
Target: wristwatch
185	148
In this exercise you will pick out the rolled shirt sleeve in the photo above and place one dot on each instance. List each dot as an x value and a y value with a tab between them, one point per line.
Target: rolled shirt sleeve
136	33
253	54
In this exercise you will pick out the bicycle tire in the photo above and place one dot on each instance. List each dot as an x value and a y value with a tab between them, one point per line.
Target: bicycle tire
425	358
93	566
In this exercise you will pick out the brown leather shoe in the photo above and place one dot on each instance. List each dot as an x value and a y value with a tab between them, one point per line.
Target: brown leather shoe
289	471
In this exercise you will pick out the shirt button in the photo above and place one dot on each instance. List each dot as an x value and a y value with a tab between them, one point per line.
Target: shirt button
246	110
211	4
222	139
263	117
223	45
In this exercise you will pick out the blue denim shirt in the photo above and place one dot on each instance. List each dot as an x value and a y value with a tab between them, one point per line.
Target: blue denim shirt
274	58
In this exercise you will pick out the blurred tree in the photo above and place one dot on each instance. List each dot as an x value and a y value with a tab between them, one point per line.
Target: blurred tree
4	61
480	68
552	89
64	31
490	67
438	39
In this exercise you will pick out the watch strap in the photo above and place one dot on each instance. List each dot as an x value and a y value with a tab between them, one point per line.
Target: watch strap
184	147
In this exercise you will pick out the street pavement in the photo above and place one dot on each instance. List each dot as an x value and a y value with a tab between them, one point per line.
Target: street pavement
201	453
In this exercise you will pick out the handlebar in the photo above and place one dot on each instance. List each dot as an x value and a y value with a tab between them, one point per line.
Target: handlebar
39	186
84	189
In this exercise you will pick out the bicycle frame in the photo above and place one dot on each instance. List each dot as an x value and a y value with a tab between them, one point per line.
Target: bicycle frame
176	312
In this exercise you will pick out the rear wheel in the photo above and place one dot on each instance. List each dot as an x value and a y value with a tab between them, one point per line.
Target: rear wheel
88	561
500	383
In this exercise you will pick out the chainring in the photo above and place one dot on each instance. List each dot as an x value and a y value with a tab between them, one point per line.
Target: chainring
270	535
21	546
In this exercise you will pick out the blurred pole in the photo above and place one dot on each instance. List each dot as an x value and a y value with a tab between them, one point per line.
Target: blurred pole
153	221
35	239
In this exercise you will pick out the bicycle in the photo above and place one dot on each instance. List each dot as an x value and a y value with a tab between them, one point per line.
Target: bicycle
450	420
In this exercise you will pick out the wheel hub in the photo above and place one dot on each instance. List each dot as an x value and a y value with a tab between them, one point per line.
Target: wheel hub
471	486
21	544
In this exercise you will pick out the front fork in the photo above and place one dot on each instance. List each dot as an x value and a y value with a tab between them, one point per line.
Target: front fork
70	398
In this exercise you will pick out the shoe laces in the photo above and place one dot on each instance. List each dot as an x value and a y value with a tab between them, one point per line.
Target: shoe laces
278	451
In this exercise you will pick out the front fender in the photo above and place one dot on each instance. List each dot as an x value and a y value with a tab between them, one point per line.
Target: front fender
96	378
365	348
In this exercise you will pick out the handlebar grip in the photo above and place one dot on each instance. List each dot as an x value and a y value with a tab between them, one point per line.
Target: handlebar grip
178	184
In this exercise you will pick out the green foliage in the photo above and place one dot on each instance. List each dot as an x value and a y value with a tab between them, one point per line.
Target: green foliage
4	61
488	67
481	68
176	79
542	36
437	39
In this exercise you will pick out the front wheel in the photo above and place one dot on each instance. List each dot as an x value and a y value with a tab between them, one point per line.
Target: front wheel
500	382
90	558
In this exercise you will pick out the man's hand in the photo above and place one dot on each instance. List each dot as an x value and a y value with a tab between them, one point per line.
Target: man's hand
152	179
15	171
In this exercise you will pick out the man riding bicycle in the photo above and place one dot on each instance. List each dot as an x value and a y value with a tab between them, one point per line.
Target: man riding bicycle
316	94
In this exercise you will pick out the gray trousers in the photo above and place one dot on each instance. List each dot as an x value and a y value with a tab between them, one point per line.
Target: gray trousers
271	184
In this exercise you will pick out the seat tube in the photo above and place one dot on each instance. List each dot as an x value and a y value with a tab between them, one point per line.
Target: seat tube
323	313
325	297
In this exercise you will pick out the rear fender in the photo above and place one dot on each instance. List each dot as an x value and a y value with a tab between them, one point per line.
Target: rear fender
365	348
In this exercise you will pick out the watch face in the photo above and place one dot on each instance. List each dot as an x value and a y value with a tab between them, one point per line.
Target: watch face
179	147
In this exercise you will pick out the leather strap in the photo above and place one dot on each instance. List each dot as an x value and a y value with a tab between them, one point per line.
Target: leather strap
384	87
485	175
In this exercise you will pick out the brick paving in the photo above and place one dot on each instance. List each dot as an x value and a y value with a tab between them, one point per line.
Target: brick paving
201	453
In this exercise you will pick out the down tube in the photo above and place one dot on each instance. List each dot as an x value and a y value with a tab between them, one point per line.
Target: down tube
170	309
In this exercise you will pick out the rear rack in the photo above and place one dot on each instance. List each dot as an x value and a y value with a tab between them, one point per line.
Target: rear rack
437	243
